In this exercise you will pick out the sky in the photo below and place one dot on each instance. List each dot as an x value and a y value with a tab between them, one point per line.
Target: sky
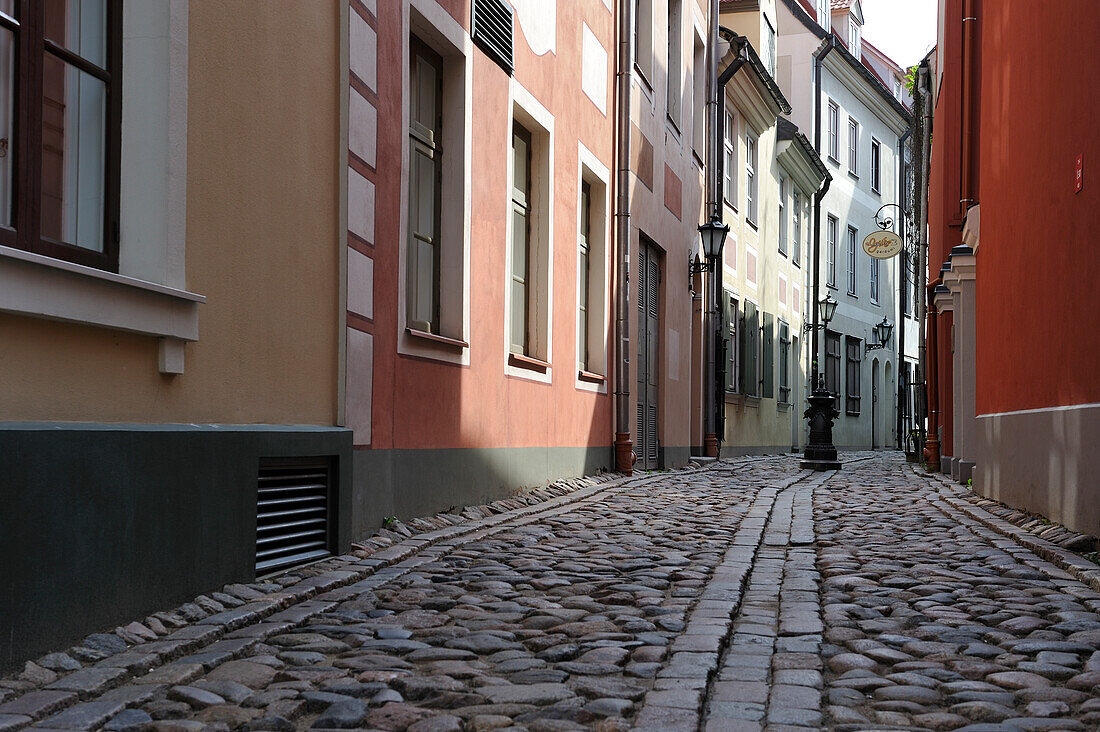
902	29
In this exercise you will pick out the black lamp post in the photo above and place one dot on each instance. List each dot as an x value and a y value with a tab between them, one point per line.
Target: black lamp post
820	452
712	236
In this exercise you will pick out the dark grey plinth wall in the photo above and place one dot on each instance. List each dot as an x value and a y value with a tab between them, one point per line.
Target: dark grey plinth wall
103	524
411	483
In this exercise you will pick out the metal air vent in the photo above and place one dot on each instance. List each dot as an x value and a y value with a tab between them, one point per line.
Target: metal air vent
492	23
292	513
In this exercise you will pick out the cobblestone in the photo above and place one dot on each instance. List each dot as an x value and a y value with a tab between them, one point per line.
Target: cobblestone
746	595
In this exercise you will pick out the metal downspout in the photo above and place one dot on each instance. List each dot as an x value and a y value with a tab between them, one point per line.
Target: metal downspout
819	56
713	210
623	446
922	251
903	388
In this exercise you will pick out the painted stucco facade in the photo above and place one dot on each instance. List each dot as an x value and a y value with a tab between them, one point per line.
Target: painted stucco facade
1010	222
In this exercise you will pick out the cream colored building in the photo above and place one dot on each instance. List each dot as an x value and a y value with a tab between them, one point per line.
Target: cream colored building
769	175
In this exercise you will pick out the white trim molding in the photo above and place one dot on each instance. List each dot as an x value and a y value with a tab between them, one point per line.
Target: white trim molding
42	287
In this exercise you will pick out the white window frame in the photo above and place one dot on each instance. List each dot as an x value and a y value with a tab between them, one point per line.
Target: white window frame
876	165
796	227
699	84
643	41
752	179
834	131
850	251
438	30
854	38
674	64
823	13
597	175
853	146
783	215
539	122
832	224
874	280
730	173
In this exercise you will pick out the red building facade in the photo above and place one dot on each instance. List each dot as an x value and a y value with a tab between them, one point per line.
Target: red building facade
1013	395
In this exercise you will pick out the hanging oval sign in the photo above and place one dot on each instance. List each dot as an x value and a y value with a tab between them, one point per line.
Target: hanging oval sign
882	244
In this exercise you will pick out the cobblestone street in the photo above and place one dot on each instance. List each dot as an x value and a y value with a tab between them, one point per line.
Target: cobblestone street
746	595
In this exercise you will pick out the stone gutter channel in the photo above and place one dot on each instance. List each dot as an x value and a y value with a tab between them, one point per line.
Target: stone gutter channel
755	628
137	667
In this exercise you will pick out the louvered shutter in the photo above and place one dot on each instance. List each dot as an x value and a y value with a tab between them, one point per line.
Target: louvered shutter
767	357
492	31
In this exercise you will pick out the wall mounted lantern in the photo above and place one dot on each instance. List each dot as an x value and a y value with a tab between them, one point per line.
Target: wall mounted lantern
882	332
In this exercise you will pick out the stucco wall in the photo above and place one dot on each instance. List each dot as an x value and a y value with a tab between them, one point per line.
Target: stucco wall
1037	233
262	192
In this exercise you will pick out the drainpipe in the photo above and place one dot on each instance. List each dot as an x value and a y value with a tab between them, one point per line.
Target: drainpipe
966	178
927	405
716	102
623	446
903	388
819	57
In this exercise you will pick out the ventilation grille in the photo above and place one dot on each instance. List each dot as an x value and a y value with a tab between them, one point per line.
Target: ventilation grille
292	513
492	24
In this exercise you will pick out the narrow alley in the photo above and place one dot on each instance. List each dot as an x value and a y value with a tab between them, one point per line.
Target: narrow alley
743	595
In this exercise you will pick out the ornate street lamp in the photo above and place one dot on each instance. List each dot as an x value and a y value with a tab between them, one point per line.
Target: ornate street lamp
820	452
882	332
712	236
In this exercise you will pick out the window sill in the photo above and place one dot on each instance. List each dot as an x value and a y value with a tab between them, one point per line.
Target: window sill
441	340
834	161
852	295
591	377
853	175
526	362
752	224
698	158
671	121
876	191
39	286
783	406
648	87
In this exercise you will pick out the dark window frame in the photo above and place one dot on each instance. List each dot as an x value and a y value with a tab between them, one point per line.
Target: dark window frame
32	47
784	363
832	225
876	165
851	261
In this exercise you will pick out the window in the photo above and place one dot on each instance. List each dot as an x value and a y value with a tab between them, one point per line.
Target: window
796	227
767	42
832	365
853	146
521	241
592	266
750	179
699	82
823	13
834	132
851	403
784	363
643	39
748	378
675	78
584	265
830	251
425	184
730	341
729	162
59	177
874	280
851	260
876	165
783	215
854	38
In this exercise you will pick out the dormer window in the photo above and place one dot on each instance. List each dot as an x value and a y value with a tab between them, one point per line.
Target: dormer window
823	13
854	38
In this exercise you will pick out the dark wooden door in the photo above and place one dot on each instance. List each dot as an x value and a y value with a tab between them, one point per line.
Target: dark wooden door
649	279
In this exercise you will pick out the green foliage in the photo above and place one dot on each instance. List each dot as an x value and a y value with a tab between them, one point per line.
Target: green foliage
911	80
387	520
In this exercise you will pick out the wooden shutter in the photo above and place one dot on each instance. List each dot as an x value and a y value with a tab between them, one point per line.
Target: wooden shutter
767	359
750	340
726	330
653	352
